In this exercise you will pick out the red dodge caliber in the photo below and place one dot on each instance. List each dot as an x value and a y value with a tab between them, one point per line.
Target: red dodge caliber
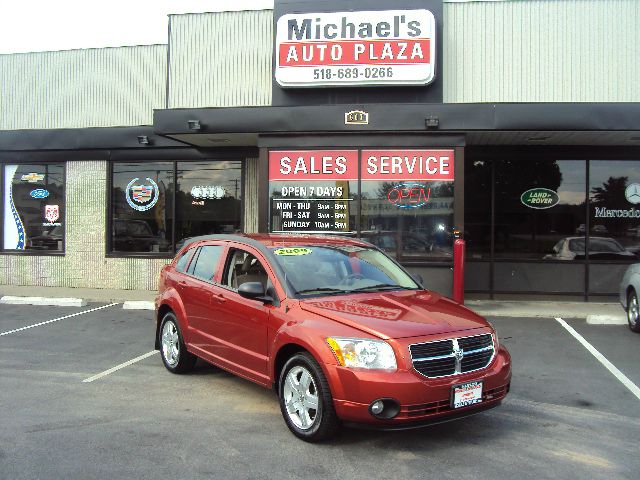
341	332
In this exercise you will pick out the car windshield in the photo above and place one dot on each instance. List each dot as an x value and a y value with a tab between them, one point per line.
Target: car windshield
327	270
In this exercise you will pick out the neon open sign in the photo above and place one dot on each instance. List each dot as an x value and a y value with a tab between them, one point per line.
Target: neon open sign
409	195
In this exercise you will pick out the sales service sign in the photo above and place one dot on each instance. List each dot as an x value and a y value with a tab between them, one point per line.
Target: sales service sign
392	47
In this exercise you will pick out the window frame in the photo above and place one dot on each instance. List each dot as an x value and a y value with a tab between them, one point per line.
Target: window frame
28	252
264	189
174	160
527	153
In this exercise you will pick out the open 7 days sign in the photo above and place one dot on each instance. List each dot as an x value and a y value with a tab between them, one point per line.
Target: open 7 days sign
392	47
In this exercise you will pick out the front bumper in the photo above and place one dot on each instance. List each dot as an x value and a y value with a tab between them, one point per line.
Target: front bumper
422	400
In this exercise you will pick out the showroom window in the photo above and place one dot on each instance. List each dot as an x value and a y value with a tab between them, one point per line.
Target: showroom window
313	191
539	208
408	219
141	206
399	200
33	207
614	210
208	198
156	206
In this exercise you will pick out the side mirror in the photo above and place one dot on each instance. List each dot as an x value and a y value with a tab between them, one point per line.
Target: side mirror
253	291
418	278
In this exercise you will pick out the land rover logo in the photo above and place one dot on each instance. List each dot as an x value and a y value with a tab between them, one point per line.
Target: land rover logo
539	198
356	117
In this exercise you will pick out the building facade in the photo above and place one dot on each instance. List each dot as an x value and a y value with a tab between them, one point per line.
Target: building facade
514	122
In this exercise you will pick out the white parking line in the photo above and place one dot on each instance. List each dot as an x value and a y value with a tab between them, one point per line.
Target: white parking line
56	319
119	367
601	358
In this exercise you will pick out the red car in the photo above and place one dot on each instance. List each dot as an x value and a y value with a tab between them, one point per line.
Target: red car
339	330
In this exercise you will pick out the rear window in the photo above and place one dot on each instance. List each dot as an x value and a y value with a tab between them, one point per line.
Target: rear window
207	262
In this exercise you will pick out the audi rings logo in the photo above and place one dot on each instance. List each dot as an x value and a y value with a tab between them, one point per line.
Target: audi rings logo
208	192
632	193
142	196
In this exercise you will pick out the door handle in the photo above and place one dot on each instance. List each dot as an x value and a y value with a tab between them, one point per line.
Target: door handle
182	283
219	297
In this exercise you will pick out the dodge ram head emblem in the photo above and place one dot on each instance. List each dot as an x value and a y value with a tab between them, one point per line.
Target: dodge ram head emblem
458	353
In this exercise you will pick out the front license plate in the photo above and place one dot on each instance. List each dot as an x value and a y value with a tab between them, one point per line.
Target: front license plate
467	394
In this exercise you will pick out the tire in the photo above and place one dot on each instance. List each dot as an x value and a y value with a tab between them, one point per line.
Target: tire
172	349
303	385
633	311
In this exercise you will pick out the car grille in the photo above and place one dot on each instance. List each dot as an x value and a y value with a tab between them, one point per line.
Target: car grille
451	357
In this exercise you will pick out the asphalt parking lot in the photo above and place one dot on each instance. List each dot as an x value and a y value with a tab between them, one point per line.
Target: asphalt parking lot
567	416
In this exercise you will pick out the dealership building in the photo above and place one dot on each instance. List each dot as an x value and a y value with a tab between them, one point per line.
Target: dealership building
515	122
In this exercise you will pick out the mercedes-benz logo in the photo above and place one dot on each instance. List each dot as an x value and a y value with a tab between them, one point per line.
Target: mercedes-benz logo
632	193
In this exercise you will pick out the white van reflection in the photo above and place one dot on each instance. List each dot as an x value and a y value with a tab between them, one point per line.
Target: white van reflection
600	248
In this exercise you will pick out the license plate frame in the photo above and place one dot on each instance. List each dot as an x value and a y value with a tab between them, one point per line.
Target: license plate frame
466	394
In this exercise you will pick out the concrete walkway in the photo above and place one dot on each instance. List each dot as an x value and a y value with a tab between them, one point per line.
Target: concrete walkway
602	313
592	312
88	294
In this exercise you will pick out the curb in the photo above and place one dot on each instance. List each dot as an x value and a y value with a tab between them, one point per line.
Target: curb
54	302
606	320
138	305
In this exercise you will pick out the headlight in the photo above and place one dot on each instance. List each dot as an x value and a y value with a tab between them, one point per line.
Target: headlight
363	353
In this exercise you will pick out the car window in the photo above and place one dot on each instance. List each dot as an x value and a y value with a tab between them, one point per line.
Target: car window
244	267
321	269
207	261
604	245
181	264
138	229
577	245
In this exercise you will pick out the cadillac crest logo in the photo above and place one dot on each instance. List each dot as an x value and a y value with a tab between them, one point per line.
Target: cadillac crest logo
142	196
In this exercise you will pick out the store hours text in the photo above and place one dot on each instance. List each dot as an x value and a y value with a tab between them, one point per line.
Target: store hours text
312	192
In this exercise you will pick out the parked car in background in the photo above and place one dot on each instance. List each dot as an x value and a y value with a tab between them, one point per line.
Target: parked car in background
629	289
338	329
600	248
136	235
49	239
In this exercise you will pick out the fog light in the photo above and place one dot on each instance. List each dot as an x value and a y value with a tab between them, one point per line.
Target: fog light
377	407
384	408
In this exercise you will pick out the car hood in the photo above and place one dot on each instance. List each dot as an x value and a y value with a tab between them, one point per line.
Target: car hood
398	314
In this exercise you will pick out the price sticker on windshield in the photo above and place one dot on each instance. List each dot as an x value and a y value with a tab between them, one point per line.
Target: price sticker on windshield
292	251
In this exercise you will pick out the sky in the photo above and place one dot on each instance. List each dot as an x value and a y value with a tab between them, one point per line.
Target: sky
44	25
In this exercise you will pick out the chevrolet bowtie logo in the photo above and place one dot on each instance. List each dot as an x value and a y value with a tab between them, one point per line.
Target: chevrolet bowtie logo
32	177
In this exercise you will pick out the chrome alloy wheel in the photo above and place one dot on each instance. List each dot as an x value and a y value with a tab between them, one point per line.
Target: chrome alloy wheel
301	398
170	343
633	310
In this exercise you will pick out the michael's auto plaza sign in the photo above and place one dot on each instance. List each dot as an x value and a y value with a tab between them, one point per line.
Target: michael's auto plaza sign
392	47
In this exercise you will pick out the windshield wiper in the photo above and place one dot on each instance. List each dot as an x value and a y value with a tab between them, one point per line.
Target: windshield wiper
381	286
322	290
